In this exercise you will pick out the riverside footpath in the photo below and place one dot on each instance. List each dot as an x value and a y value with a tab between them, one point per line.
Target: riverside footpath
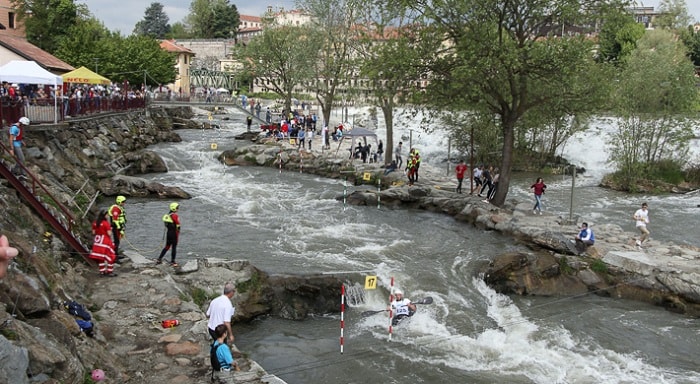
661	273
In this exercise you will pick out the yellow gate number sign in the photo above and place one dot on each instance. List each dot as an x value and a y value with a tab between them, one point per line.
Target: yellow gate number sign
210	117
213	146
371	282
367	176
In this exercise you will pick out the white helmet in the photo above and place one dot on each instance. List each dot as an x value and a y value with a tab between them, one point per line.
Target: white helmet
398	292
24	120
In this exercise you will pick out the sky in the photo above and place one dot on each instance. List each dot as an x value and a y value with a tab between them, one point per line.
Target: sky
122	15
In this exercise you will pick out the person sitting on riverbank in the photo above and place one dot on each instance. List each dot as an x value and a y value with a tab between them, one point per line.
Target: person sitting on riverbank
584	239
391	168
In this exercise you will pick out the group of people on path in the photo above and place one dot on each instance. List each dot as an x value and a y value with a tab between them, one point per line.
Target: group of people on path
109	228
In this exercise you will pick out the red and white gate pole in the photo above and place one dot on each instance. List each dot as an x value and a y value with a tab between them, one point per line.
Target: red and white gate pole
391	310
342	317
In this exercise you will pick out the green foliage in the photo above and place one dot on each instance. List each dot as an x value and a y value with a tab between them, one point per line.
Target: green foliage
618	37
673	14
502	60
47	22
564	266
213	19
179	30
252	285
279	58
154	23
691	39
199	296
655	94
599	266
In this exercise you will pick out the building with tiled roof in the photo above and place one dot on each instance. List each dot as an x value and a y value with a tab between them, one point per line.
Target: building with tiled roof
18	48
183	62
249	27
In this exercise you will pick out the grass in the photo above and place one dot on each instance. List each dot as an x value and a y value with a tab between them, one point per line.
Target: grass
253	284
564	266
599	266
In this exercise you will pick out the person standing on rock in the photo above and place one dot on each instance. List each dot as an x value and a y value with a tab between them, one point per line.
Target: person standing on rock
248	122
222	351
460	169
221	311
102	246
397	154
117	214
172	223
16	143
538	188
641	218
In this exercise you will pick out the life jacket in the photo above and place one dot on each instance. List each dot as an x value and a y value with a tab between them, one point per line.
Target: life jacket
169	222
121	220
20	134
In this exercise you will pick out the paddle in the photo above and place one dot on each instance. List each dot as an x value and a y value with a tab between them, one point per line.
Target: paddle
427	300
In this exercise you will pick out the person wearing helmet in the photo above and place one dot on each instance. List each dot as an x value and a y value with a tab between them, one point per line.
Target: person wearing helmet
16	143
117	214
172	223
102	246
400	307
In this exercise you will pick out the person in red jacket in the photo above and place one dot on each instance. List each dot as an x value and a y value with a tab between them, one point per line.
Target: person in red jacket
538	188
460	169
172	223
102	247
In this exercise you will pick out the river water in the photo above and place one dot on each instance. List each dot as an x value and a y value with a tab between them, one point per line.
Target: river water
291	222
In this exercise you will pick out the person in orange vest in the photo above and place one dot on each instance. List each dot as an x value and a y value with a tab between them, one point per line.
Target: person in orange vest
172	223
102	247
117	214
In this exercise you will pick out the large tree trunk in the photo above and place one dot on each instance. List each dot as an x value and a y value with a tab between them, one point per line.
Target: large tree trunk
506	162
388	111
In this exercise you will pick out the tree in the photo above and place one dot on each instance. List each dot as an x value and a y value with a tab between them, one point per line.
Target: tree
673	15
47	21
332	21
154	23
279	58
656	93
691	39
618	36
500	58
387	59
213	19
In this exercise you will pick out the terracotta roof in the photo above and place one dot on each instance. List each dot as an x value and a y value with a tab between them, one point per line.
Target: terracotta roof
31	52
172	46
253	19
249	30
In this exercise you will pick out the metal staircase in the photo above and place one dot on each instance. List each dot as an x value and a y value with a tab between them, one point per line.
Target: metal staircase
50	209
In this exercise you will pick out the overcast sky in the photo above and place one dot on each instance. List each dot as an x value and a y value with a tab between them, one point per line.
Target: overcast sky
122	15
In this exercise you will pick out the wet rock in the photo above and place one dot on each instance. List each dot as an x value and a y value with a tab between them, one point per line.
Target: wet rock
184	348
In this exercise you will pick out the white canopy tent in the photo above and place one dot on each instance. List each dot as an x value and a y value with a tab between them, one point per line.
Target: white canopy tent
29	72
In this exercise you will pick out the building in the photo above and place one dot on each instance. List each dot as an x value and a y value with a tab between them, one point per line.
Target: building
644	15
249	27
183	62
8	20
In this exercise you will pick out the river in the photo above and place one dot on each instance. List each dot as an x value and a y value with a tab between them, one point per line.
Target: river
291	222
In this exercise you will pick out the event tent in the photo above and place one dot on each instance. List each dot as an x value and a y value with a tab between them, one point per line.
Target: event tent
356	132
83	75
29	72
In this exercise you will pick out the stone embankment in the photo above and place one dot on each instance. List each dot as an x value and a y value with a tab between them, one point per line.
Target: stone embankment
662	274
41	343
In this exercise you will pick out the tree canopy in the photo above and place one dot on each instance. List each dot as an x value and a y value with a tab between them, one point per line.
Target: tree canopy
48	21
213	19
155	22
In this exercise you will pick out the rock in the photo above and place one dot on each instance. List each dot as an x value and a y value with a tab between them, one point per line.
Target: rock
15	361
26	292
171	338
134	186
184	348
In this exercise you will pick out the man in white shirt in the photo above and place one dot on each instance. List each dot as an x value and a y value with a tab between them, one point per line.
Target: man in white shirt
641	218
221	311
401	307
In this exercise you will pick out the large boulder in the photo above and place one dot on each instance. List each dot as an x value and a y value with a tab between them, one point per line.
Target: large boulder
136	186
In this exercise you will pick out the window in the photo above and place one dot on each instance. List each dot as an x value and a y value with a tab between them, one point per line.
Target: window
11	19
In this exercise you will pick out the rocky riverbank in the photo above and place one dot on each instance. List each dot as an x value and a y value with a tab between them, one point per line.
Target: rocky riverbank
662	274
85	160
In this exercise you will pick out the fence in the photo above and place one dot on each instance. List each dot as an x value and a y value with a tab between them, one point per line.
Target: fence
44	110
